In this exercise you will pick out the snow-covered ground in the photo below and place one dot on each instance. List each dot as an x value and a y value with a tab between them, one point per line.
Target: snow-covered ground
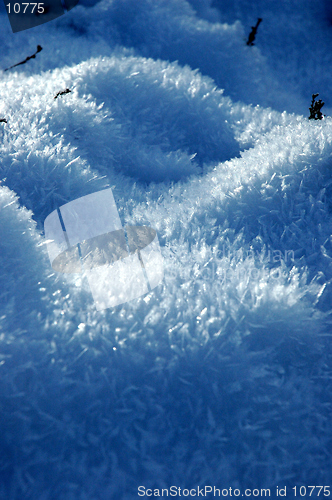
222	375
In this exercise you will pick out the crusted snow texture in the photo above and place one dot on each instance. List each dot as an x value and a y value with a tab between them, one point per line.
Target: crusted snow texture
222	375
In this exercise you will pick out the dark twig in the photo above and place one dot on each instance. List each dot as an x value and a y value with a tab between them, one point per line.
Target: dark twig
3	120
39	48
62	92
315	108
253	33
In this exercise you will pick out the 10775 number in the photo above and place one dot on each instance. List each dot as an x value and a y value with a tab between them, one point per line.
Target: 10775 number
308	490
17	8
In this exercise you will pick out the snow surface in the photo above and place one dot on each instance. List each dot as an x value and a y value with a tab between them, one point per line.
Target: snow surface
222	375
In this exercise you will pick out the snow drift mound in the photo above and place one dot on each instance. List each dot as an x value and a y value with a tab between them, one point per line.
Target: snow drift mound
221	375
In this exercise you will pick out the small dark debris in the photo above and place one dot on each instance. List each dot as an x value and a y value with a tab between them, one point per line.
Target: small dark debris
39	48
3	120
253	33
315	108
62	92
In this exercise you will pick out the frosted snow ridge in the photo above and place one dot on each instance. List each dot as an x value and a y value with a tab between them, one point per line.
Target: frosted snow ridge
222	374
